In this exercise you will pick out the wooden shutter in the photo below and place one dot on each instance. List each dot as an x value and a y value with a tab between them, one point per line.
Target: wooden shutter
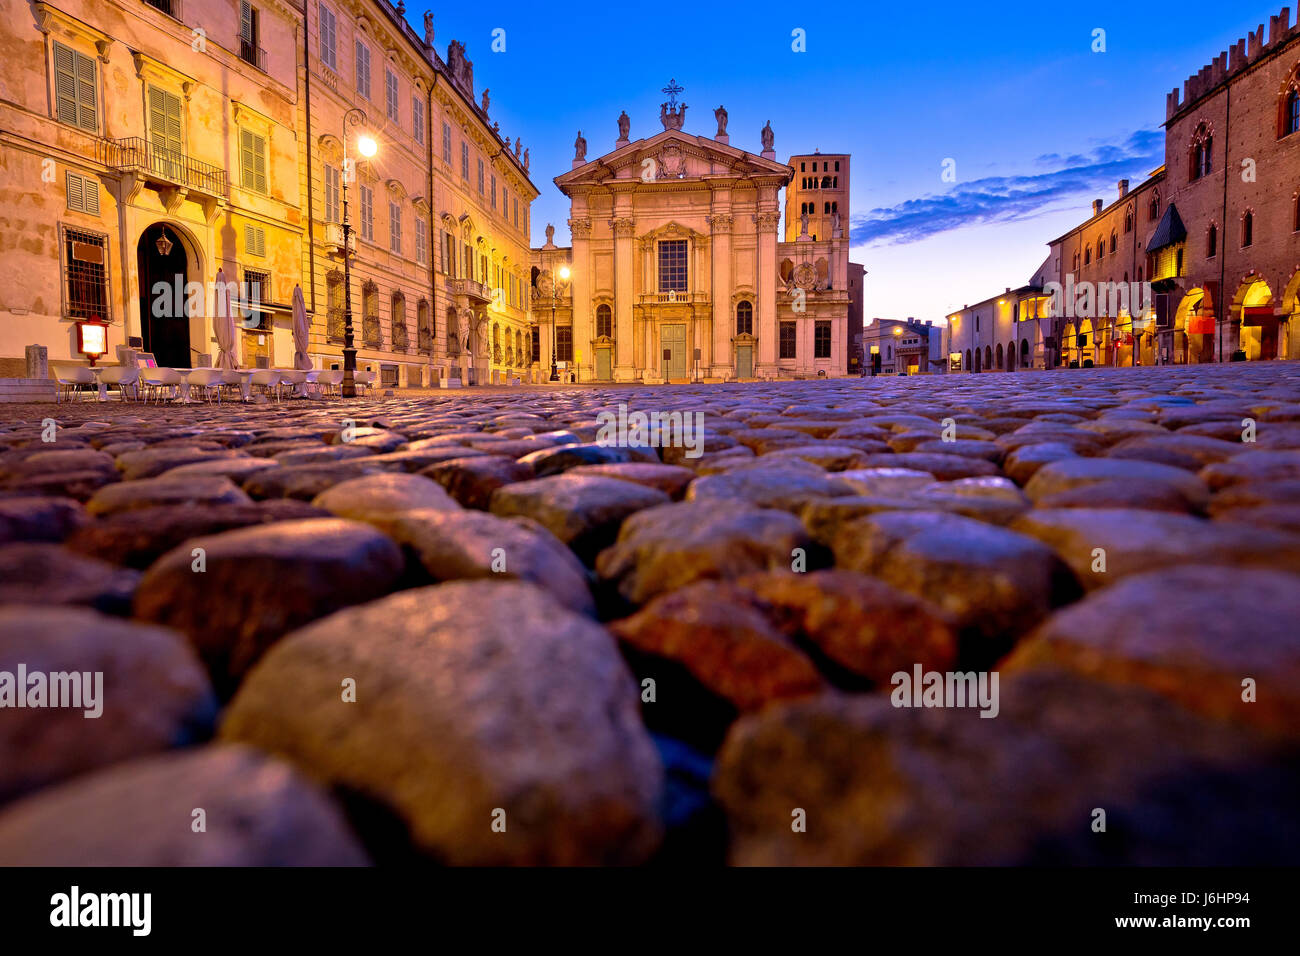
86	106
252	161
247	21
254	240
75	201
65	84
164	119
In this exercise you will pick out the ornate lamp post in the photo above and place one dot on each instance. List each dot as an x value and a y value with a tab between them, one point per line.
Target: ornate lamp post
367	147
563	273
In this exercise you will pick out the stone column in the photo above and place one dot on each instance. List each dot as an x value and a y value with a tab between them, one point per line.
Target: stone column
720	359
765	312
580	280
624	296
38	362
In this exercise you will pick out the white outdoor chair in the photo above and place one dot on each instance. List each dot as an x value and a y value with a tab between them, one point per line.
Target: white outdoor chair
208	381
232	383
71	379
330	381
124	378
294	380
268	380
364	380
159	382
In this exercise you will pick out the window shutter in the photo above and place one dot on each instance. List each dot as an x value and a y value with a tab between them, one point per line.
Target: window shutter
246	20
65	84
259	163
254	240
87	108
75	201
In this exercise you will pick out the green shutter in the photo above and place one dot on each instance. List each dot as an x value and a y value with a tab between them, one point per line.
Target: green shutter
252	161
87	107
65	84
75	201
164	120
246	21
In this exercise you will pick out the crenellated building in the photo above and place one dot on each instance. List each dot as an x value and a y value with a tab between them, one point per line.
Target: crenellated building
676	272
1214	233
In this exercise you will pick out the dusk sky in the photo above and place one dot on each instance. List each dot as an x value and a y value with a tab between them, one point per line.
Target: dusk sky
1038	124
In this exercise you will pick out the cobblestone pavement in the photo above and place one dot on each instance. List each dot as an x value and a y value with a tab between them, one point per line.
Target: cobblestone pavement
997	619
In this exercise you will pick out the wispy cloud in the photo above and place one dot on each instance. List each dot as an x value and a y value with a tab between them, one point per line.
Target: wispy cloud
999	199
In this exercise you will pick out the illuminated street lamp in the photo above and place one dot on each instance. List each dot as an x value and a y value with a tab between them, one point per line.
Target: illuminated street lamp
367	147
563	274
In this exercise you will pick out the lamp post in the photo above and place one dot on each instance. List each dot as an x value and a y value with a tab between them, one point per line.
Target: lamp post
563	273
367	147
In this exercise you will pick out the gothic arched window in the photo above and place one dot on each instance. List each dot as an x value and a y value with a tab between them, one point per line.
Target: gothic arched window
744	317
604	321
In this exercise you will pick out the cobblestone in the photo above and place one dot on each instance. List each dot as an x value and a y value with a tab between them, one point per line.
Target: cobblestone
514	603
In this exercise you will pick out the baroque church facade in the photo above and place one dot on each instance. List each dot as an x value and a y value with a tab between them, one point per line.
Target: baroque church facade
677	271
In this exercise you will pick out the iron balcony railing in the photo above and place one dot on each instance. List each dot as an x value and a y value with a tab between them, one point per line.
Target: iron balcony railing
250	52
135	154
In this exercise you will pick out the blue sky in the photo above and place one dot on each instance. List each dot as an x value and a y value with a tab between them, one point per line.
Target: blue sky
1037	123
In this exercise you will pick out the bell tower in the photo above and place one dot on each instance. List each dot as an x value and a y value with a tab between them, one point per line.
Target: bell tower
820	190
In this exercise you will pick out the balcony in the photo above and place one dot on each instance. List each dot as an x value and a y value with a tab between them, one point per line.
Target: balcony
470	288
673	298
252	54
165	166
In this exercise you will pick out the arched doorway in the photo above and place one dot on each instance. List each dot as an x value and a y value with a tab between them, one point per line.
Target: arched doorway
164	268
1258	337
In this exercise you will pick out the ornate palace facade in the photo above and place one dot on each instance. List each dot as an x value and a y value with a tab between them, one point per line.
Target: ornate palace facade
676	271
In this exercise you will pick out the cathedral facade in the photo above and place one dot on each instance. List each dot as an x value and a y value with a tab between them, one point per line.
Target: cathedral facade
677	271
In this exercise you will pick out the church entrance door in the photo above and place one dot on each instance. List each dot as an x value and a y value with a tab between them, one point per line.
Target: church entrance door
745	361
672	339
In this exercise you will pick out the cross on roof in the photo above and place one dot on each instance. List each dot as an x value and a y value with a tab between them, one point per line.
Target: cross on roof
672	89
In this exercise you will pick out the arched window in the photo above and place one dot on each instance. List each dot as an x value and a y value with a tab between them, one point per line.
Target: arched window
1128	220
1024	353
1000	357
744	317
1200	154
1291	112
1087	255
453	332
827	210
1114	242
968	365
988	357
1247	229
826	182
604	321
423	333
1153	211
1295	223
1101	248
370	332
334	323
1212	242
398	313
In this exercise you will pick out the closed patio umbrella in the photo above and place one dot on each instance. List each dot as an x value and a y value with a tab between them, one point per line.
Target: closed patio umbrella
223	325
300	329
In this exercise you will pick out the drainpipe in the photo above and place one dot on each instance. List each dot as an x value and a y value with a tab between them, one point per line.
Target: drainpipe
306	85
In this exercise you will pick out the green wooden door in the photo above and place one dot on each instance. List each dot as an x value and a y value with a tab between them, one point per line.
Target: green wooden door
672	341
745	361
602	364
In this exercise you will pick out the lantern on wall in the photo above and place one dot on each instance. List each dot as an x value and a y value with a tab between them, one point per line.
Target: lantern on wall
92	339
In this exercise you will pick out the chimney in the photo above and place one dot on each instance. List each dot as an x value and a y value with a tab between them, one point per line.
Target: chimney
929	321
1123	188
1096	211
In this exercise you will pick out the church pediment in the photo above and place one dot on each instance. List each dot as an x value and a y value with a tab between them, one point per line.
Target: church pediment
673	155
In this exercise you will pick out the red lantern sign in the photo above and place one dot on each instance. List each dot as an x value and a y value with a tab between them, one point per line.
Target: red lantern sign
92	339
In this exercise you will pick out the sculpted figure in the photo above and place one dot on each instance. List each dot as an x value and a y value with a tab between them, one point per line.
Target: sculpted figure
624	124
428	29
720	114
580	147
